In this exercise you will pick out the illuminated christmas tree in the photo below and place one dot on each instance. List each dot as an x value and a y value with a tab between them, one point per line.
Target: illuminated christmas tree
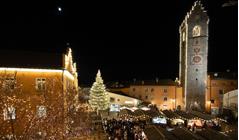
99	99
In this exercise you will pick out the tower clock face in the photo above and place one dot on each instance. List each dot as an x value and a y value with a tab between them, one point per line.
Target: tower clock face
196	59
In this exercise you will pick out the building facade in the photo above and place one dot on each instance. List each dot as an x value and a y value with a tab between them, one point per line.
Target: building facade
165	94
122	99
218	84
193	57
35	101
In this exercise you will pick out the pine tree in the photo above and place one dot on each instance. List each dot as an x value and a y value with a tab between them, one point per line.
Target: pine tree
99	99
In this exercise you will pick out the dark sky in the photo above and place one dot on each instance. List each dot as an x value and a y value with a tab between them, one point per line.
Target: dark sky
125	40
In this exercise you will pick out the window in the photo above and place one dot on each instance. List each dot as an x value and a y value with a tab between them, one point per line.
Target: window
41	111
221	91
133	89
165	98
41	84
9	113
140	96
152	90
146	97
184	36
112	99
212	101
118	100
196	31
9	83
165	90
214	84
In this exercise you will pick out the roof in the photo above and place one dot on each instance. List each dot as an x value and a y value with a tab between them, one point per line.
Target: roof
117	84
167	134
153	133
223	75
170	114
183	134
210	134
29	59
122	94
126	112
184	114
153	114
202	115
163	82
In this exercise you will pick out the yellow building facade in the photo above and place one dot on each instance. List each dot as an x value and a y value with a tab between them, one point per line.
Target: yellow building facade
168	94
217	86
34	102
164	94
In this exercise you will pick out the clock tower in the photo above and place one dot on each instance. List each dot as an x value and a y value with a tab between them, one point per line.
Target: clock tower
193	57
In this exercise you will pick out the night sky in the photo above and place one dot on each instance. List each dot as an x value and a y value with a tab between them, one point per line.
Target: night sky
124	40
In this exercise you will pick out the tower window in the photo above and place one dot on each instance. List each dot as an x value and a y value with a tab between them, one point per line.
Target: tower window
184	36
165	98
196	31
196	79
196	69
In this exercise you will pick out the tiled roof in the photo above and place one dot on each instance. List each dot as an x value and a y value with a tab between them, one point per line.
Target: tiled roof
185	115
155	82
210	134
183	134
28	59
202	115
170	114
223	75
153	133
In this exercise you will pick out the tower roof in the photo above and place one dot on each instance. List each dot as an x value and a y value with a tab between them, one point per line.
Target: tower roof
197	5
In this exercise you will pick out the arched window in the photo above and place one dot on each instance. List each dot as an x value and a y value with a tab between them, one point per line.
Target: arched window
196	31
184	36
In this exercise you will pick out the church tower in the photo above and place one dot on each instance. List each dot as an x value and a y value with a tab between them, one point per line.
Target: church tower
193	57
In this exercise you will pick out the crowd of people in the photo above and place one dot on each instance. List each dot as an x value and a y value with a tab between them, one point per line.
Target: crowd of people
124	129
